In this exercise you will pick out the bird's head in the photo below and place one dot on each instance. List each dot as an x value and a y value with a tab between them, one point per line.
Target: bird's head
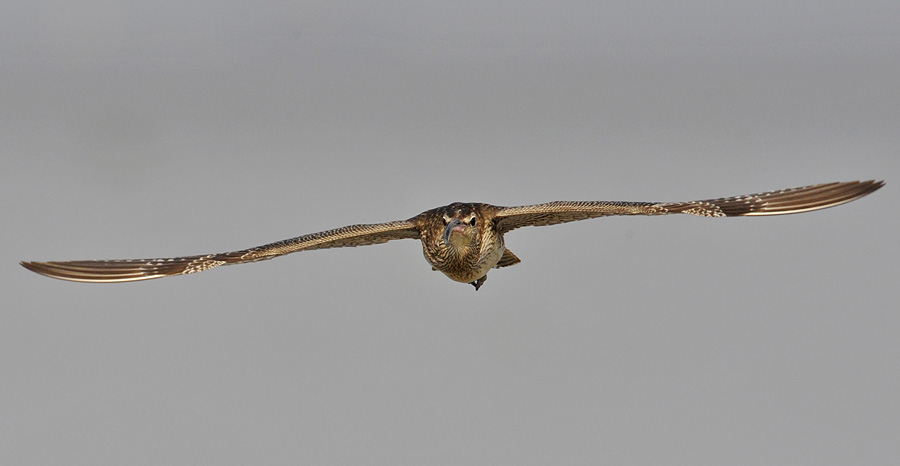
460	228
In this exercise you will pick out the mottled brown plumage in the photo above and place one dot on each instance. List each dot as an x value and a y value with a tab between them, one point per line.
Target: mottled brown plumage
463	240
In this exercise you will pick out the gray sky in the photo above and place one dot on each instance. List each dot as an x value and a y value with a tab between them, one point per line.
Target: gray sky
145	129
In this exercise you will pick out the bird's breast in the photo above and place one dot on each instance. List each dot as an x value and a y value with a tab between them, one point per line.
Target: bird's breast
465	265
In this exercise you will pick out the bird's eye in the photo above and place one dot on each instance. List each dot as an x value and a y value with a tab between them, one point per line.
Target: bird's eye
446	221
472	222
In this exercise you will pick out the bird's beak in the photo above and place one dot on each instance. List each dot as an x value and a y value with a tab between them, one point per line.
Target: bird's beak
454	225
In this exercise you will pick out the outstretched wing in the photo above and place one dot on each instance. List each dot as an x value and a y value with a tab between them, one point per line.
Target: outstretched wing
126	270
785	201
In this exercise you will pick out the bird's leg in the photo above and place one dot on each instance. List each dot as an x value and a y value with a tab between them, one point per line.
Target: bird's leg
477	283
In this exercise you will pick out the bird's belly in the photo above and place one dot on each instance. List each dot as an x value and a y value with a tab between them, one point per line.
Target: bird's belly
466	272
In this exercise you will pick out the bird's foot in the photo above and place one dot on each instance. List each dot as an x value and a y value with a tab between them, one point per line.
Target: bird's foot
477	283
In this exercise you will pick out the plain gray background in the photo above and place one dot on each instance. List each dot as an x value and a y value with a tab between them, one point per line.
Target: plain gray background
161	128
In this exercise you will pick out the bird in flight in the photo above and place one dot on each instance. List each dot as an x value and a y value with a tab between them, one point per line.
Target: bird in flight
463	240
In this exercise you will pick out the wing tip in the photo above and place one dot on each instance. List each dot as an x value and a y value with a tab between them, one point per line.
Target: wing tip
74	271
835	194
874	185
36	267
43	268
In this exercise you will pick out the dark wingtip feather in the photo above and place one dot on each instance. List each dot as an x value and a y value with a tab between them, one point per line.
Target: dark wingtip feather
126	270
89	271
785	201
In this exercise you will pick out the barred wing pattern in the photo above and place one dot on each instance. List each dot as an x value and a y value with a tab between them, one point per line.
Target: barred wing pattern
785	201
552	213
125	270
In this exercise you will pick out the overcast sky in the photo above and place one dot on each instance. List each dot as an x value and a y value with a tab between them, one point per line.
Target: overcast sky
147	129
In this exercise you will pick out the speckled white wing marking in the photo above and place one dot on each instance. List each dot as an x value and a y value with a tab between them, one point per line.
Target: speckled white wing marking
785	201
124	270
